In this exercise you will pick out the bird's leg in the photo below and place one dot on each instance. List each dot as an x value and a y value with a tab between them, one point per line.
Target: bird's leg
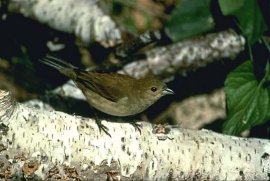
133	121
137	126
96	115
101	127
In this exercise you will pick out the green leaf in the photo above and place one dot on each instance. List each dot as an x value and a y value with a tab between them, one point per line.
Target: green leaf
189	18
228	7
267	82
248	15
248	101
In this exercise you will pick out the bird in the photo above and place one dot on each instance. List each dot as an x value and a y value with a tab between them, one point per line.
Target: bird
113	93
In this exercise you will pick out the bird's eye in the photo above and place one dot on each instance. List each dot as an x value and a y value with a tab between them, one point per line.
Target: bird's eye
153	89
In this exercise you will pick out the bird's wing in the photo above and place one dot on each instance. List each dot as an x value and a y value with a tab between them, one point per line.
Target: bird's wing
103	85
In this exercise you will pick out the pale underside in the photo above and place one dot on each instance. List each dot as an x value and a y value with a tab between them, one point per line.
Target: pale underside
120	108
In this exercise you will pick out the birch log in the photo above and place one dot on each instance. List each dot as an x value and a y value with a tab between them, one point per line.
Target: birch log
83	18
188	55
40	145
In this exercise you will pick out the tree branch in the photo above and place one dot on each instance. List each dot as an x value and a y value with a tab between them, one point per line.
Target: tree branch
48	144
188	55
81	17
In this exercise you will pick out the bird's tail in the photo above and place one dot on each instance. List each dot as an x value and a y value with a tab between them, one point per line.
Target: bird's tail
62	66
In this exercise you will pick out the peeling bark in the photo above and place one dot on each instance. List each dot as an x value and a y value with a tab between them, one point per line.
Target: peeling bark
48	145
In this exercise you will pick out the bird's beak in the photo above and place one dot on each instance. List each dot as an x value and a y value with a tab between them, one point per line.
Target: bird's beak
167	91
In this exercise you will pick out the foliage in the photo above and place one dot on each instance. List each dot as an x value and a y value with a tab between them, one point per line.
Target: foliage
190	17
249	17
248	99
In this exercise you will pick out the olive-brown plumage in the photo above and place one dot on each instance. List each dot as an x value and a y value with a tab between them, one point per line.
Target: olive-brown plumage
112	93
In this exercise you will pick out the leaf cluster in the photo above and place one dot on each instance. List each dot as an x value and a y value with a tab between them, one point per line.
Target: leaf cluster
247	95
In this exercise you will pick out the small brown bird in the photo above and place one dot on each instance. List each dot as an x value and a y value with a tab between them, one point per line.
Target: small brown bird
112	93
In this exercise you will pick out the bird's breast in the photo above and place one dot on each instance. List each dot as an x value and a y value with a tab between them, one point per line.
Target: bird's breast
123	107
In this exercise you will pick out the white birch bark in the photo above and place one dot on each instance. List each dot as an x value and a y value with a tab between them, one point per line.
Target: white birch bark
48	145
188	55
83	18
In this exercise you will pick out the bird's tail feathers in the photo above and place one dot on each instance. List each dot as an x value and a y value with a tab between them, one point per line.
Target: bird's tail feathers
62	66
56	62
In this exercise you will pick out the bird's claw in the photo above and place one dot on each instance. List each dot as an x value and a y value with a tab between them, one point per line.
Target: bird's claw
137	127
101	127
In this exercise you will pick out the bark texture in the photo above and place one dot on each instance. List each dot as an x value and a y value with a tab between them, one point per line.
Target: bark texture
43	145
188	55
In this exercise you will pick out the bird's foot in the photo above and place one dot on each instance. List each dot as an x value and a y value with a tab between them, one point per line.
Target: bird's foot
101	127
137	126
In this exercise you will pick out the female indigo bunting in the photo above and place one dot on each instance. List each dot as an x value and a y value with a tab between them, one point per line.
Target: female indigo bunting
112	93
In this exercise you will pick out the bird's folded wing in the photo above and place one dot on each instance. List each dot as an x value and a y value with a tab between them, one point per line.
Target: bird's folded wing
102	84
